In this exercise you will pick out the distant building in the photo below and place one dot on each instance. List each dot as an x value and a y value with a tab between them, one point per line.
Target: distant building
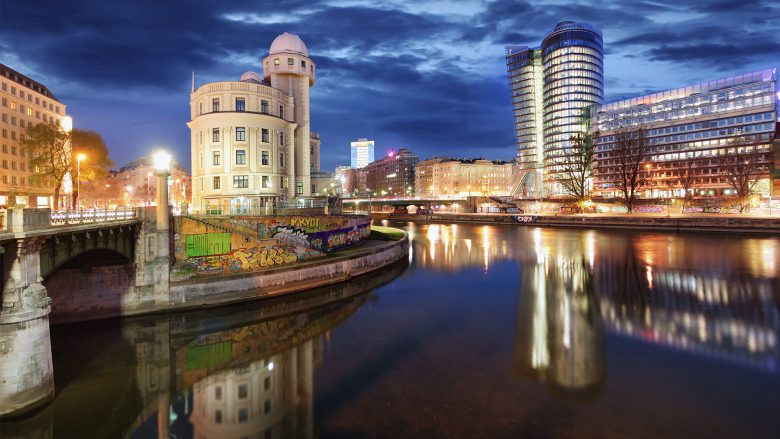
695	126
136	183
443	177
353	181
24	103
550	86
250	139
392	176
362	153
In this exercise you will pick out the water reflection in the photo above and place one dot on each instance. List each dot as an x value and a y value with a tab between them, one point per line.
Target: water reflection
714	295
235	372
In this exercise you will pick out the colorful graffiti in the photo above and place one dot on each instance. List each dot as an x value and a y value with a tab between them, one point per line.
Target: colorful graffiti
337	239
245	259
291	236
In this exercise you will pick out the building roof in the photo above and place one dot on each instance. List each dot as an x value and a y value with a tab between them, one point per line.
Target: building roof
288	43
25	81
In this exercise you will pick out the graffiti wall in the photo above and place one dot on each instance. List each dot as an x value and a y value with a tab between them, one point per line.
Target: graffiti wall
215	245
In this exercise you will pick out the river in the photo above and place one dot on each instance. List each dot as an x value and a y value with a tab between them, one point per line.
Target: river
487	331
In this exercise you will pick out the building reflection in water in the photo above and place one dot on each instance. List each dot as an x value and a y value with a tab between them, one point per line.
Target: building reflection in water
713	295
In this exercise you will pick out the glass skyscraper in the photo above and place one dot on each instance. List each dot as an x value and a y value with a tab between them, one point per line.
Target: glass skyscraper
362	153
552	86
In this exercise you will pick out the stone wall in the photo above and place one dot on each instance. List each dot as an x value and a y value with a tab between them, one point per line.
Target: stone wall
215	245
96	291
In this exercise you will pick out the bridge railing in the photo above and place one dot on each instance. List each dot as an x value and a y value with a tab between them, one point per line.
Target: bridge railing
61	217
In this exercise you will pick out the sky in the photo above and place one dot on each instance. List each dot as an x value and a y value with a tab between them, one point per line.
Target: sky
426	75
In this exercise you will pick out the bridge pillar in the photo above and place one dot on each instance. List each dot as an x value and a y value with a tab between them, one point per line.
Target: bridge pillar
152	259
26	371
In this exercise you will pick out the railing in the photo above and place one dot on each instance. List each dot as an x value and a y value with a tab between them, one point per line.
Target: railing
62	217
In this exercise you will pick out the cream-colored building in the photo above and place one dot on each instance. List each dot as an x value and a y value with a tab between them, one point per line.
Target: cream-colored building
23	103
445	177
250	139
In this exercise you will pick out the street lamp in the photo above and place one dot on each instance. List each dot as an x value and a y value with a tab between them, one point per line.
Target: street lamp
162	164
79	158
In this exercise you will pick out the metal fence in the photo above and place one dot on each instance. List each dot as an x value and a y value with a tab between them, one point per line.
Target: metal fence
92	216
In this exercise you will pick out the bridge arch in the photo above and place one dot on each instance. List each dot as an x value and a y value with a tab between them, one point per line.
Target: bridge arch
59	249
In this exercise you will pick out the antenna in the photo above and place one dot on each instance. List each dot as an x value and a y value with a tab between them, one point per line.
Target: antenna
193	82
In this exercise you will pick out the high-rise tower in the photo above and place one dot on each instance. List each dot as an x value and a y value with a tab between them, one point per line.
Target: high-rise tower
551	86
290	69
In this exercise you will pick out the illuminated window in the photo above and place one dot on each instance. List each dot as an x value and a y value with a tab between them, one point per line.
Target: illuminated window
216	183
299	188
276	61
266	181
240	181
290	62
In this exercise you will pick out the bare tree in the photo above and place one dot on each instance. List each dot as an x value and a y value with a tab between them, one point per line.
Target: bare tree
742	170
49	147
688	179
631	150
575	169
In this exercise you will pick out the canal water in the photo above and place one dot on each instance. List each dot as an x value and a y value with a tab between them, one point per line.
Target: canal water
486	331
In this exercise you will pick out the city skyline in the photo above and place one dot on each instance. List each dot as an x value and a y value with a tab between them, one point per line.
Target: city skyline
410	87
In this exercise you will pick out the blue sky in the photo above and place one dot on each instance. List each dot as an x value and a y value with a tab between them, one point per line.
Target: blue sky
428	75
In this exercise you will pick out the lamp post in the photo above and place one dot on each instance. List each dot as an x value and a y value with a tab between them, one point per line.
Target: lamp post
161	263
79	158
162	163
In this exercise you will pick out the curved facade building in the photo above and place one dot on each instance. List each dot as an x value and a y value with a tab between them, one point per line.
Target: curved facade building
551	87
250	139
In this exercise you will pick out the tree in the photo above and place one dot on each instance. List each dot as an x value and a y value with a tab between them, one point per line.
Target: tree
688	179
49	147
96	163
631	151
742	170
575	168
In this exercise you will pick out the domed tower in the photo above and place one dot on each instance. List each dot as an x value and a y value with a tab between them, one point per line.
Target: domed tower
289	69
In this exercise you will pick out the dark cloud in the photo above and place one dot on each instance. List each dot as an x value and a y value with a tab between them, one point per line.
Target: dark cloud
408	75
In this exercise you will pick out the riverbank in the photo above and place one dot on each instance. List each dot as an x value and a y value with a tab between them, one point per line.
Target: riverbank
218	290
647	222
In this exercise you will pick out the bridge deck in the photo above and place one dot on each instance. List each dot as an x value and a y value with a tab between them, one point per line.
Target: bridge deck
65	229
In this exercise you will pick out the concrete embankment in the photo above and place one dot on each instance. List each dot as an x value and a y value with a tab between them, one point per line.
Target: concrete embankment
721	223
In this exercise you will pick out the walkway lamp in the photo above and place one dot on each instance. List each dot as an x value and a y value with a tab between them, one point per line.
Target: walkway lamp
162	164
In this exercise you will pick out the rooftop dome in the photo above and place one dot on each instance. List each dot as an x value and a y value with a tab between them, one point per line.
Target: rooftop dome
250	77
289	43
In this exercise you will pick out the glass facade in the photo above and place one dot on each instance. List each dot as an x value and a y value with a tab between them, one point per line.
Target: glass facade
694	129
550	86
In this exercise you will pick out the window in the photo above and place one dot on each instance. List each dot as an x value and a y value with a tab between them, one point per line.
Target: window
283	182
218	416
290	62
264	107
215	104
240	157
281	112
266	182
200	108
281	138
267	406
240	134
276	61
264	159
303	64
218	393
243	415
215	134
267	383
299	188
240	104
243	391
281	159
215	158
216	184
240	181
264	135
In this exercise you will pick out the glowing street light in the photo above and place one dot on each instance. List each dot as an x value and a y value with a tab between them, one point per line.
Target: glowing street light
79	158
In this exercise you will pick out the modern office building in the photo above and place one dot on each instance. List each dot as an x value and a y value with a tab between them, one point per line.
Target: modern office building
695	129
447	177
392	176
362	153
250	139
24	102
550	86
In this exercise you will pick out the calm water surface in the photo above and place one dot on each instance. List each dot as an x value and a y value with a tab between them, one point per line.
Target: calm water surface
488	331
